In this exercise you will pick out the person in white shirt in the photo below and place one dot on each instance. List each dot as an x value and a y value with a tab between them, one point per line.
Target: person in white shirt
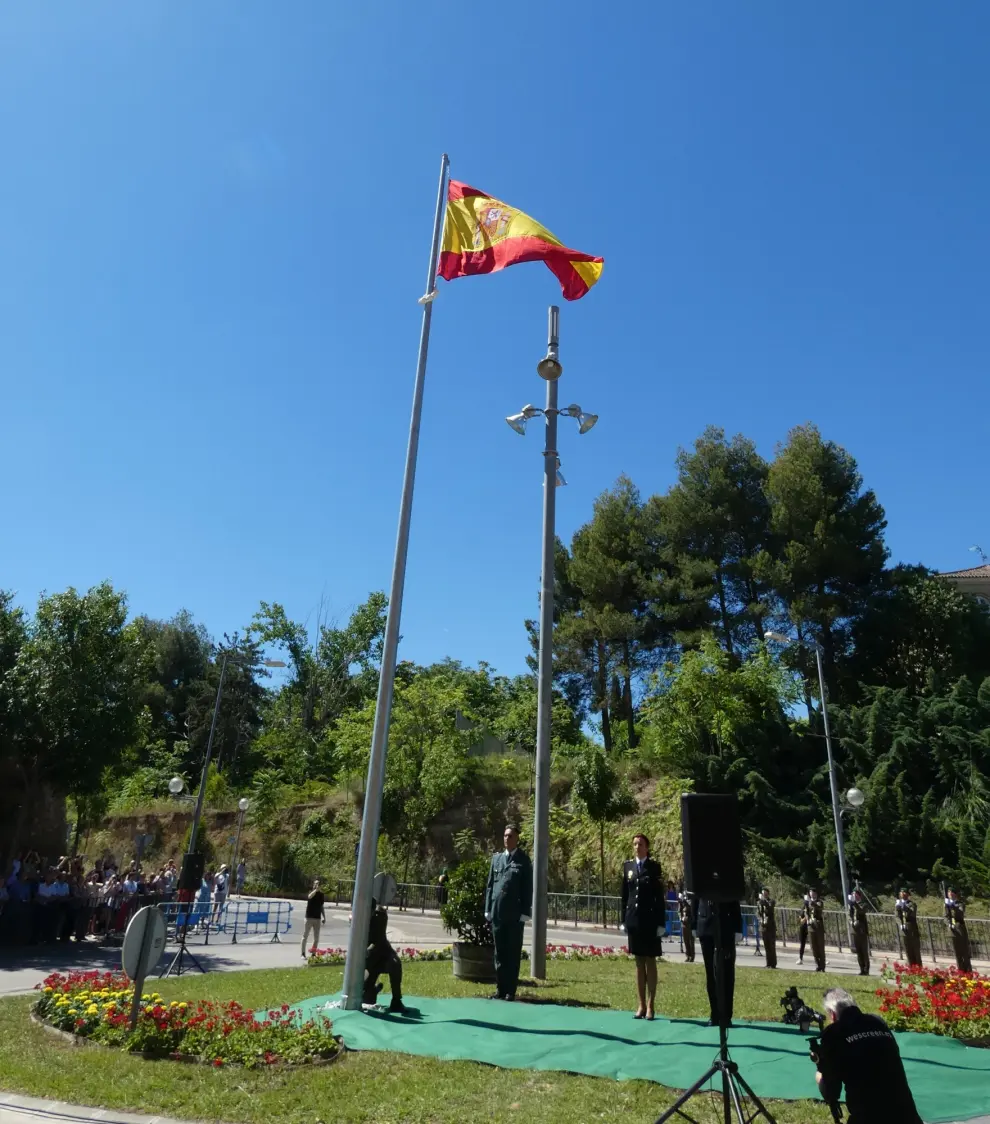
47	890
220	892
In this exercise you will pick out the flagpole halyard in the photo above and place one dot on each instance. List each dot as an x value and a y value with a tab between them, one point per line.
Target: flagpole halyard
357	941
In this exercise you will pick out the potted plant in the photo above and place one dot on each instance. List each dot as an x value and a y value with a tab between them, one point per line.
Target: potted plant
463	913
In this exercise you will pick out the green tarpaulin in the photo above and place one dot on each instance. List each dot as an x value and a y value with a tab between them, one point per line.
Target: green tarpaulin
950	1081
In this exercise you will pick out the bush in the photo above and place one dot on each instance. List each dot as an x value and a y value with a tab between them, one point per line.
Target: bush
463	912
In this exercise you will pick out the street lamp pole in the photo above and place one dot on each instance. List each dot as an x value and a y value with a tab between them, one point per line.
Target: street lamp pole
541	822
832	780
833	785
242	806
550	370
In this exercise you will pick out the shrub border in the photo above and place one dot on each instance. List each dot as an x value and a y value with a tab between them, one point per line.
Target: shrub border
77	1040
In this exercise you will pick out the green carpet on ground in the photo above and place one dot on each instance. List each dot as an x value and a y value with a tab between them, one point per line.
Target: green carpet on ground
950	1081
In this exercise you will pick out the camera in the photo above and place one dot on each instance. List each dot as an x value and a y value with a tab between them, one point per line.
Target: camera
798	1013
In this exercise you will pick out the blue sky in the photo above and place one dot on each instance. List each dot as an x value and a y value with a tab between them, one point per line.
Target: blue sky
214	228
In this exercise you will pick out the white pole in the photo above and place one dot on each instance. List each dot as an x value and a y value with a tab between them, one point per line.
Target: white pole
357	942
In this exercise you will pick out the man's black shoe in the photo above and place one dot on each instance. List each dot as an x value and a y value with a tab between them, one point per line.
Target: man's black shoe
497	995
509	998
396	1007
713	1021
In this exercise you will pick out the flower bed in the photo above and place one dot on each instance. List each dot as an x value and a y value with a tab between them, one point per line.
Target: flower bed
324	957
939	1001
97	1006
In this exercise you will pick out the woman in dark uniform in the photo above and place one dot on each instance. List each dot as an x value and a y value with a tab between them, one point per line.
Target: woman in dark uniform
643	910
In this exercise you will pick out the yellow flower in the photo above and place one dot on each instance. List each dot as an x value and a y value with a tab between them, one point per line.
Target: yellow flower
72	1011
146	998
49	990
183	1006
92	1009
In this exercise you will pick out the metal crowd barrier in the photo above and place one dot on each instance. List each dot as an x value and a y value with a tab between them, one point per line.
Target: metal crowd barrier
248	917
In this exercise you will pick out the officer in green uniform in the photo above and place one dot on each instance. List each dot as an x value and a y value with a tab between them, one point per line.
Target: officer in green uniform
685	911
860	931
766	914
508	899
816	928
955	914
907	920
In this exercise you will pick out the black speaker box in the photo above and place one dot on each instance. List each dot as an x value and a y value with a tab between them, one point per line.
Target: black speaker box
713	854
191	874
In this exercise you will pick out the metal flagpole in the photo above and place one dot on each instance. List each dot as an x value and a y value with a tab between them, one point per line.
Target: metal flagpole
357	941
550	369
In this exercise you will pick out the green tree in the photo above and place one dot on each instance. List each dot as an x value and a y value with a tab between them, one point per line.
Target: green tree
599	788
608	628
714	524
75	690
919	632
829	558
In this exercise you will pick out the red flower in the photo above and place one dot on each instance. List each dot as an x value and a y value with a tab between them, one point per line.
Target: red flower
218	1062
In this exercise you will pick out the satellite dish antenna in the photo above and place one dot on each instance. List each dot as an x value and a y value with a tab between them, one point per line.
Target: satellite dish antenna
384	889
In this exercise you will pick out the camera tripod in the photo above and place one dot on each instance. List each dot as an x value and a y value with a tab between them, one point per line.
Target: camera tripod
734	1085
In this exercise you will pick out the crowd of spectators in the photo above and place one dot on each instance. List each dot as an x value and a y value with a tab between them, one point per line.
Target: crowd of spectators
71	900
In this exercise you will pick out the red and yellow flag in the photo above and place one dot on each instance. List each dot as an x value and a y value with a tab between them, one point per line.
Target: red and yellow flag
481	235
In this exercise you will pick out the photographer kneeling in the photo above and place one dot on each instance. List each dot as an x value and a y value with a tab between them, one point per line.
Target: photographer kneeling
859	1051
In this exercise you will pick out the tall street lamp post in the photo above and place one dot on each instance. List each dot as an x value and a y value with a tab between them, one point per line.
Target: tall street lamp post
209	745
833	783
242	806
549	369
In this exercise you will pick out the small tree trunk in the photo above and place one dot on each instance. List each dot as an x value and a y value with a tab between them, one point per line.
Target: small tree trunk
601	856
603	692
628	701
723	610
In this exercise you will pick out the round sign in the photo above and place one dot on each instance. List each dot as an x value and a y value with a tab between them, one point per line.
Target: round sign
383	889
143	942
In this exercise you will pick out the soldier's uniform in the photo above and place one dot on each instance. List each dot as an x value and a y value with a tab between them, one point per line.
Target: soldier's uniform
955	914
907	920
508	899
382	957
860	933
685	910
803	928
816	931
766	914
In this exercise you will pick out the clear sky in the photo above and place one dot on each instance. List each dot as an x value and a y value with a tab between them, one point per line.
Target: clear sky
214	226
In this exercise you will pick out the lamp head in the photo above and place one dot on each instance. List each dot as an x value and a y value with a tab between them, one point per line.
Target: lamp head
560	482
531	411
549	367
243	803
778	636
176	785
518	423
856	797
586	422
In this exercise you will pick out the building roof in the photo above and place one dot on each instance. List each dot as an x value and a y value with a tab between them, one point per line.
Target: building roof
972	572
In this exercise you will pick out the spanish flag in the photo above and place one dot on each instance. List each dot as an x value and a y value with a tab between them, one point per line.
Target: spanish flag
481	235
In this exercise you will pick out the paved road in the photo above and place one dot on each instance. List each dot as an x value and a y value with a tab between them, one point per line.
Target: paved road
31	1110
21	969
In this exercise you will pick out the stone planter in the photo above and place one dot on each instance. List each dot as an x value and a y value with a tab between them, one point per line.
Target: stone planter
474	962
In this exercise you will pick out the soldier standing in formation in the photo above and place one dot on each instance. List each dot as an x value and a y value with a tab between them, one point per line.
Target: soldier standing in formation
816	928
508	899
860	931
907	920
802	929
767	917
685	910
955	914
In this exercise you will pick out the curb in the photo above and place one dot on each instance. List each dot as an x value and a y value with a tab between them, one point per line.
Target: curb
60	1110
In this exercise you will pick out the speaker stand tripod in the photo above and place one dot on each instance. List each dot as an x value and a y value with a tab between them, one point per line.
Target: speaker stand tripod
734	1085
177	967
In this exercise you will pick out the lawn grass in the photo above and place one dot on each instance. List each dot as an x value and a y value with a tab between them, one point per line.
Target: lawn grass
392	1088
